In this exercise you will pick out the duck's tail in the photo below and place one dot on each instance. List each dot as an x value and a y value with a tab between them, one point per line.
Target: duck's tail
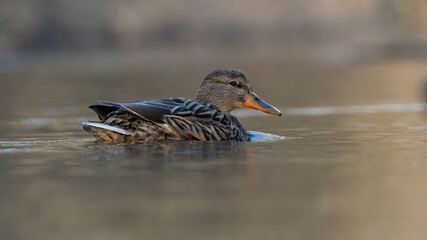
105	132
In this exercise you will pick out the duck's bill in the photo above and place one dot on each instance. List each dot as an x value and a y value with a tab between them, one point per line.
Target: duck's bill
257	103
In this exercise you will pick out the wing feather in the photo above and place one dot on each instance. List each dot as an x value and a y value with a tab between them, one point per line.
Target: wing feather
187	119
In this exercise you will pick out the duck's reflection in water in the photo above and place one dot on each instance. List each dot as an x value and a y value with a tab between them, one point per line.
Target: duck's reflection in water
166	155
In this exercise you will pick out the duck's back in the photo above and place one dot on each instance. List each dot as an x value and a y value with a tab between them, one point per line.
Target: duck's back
163	119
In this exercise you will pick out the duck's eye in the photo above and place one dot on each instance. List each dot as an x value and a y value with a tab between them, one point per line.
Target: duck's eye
233	83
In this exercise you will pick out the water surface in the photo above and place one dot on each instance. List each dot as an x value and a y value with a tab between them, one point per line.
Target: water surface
342	171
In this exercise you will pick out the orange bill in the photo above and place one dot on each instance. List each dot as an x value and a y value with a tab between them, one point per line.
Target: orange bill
257	103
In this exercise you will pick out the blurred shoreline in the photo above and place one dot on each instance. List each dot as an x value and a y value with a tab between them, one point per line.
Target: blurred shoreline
333	54
62	27
296	53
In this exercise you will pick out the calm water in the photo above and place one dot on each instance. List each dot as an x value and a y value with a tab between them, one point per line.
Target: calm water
343	171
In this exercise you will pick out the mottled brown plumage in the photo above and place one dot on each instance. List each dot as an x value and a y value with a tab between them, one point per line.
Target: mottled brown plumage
208	118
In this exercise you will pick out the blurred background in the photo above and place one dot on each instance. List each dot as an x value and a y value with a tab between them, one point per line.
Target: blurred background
387	27
61	52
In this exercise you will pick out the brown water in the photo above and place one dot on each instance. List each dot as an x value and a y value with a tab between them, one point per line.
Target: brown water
353	164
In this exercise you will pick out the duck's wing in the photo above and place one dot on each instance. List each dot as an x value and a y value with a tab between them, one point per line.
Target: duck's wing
198	121
156	110
184	118
152	110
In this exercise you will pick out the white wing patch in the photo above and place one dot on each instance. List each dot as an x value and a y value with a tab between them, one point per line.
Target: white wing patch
107	127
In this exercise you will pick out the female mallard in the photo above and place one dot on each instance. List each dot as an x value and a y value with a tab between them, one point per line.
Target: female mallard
206	118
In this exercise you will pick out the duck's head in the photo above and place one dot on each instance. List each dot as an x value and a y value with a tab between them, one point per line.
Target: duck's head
228	89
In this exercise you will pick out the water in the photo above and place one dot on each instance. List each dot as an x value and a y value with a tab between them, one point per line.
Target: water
342	171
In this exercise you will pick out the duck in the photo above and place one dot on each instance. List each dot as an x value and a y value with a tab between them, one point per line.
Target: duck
207	118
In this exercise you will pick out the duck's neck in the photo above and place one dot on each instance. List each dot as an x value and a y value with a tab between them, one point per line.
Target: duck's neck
242	130
212	99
